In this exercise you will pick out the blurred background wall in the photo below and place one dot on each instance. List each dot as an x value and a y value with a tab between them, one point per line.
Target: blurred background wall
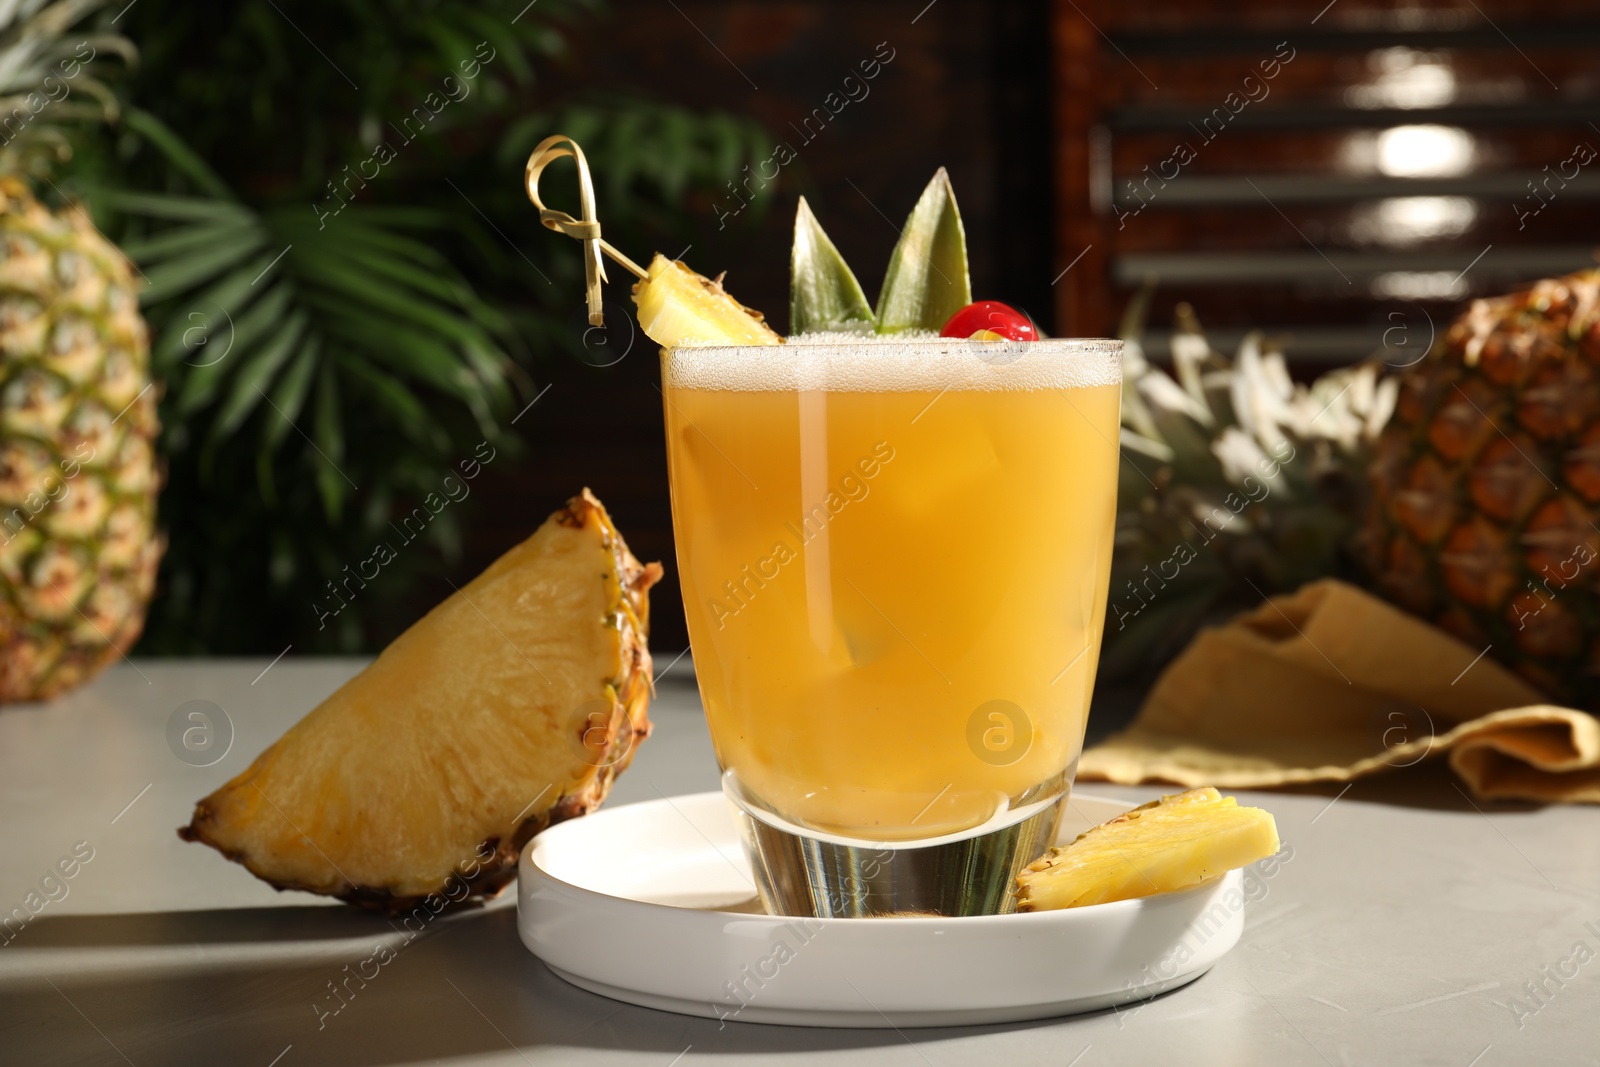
1331	181
1342	174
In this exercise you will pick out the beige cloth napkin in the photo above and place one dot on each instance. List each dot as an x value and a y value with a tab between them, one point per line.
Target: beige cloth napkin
1330	683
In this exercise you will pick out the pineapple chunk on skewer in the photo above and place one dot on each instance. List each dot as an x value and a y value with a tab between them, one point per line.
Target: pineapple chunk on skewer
676	305
1173	843
679	307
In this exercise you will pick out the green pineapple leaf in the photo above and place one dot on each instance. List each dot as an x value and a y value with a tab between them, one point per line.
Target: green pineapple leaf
823	291
927	279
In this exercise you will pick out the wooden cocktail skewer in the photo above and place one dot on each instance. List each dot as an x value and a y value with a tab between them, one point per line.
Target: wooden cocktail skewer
586	229
675	305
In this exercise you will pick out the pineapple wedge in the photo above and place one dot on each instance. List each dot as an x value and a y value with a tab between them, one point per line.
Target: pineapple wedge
679	307
509	707
1173	843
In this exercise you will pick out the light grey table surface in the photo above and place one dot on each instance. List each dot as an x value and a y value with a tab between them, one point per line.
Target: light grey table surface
1407	927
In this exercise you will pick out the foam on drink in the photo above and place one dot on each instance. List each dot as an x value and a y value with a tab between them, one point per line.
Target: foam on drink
896	363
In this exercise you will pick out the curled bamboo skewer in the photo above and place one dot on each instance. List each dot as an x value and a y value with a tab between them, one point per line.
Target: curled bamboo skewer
585	229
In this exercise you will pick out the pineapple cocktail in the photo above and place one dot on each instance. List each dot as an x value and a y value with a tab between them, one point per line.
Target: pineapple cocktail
894	538
894	557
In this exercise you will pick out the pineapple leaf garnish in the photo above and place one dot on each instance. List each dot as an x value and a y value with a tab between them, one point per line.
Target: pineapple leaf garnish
927	279
823	291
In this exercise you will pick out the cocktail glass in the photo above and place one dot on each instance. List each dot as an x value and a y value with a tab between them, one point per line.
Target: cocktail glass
894	557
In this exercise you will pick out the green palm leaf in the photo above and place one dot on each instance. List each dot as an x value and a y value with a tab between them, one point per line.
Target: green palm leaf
351	312
344	364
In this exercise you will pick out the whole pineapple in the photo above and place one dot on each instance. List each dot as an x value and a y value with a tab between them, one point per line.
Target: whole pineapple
78	475
1236	483
1486	485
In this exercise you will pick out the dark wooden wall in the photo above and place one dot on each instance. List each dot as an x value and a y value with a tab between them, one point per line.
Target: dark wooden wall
1402	159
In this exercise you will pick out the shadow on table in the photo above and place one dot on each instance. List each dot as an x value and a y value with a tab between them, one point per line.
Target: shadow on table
243	986
216	926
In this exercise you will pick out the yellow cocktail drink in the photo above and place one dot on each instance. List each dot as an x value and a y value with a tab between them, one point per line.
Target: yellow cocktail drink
894	558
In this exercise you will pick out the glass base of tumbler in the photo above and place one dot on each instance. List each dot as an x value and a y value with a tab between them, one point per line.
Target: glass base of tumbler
806	874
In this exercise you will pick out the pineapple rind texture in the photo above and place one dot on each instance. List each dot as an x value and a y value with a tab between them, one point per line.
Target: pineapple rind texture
511	706
1174	843
1486	485
78	469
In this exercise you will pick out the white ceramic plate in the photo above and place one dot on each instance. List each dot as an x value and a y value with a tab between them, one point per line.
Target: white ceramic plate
653	904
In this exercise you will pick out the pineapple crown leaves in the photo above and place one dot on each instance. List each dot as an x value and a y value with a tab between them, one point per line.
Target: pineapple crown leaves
1230	454
1215	420
926	282
41	69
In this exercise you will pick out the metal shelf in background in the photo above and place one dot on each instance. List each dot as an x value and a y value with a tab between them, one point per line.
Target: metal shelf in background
1143	118
1209	190
1420	29
1279	268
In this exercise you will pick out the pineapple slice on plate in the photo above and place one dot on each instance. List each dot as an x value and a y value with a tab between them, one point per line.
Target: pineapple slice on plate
679	307
1173	843
509	707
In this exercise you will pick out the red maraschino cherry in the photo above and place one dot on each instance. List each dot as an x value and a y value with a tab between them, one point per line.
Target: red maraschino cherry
993	317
